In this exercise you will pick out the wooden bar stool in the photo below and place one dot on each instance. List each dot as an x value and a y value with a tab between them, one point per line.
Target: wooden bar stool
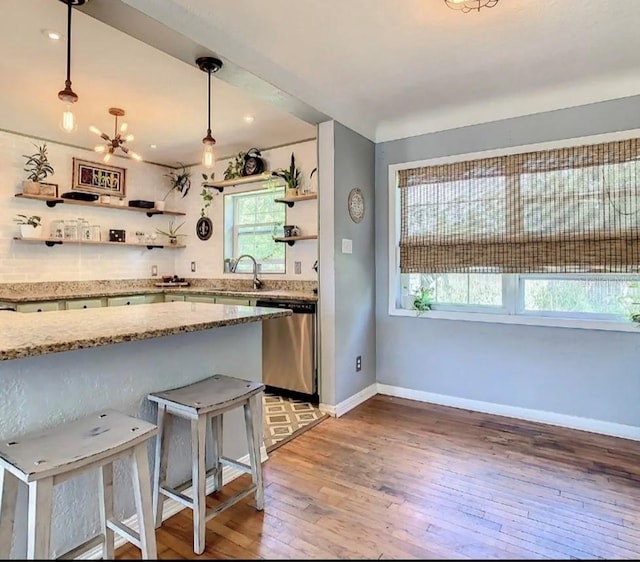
203	402
46	458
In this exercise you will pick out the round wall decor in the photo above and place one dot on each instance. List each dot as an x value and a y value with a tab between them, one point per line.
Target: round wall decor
204	228
356	204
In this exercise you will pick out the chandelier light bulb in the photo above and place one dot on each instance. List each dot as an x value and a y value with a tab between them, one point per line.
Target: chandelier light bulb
129	138
123	128
100	148
95	130
135	156
68	123
467	6
107	157
208	156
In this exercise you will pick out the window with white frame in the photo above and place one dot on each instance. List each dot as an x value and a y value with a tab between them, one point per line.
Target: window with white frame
552	233
252	219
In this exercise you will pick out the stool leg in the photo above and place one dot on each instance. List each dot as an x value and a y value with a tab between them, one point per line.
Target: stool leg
39	519
252	410
216	431
199	475
142	494
8	497
160	465
106	509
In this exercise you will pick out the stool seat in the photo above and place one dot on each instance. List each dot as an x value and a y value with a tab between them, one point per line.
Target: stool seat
42	459
213	393
73	445
204	403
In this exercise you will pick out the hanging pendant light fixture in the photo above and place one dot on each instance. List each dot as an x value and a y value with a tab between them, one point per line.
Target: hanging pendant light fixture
118	140
208	65
467	6
68	96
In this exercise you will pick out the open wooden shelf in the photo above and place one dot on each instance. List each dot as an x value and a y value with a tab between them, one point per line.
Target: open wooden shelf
291	200
220	185
59	241
291	240
53	201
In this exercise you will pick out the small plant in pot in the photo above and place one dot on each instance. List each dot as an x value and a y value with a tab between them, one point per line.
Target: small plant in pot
172	232
292	177
30	226
422	300
38	167
180	180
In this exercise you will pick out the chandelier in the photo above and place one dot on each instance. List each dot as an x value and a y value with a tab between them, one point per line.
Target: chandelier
467	5
119	138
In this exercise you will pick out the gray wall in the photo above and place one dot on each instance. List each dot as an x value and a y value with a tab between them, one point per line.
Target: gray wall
354	273
590	374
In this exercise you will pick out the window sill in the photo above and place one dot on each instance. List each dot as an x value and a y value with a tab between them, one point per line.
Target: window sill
606	325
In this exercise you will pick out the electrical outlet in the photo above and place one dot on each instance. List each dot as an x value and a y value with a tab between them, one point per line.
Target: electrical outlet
193	267
297	267
359	363
154	271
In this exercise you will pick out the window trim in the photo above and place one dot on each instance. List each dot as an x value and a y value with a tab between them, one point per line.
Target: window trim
512	316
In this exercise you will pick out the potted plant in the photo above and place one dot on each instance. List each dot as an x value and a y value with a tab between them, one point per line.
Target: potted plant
30	226
292	177
234	167
180	180
422	300
38	168
172	232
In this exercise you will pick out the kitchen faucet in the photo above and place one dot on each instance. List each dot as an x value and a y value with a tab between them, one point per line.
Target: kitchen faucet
257	283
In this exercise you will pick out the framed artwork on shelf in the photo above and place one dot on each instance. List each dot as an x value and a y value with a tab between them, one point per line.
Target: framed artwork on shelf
94	177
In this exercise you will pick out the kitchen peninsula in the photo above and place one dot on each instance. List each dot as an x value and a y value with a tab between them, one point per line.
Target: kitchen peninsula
60	365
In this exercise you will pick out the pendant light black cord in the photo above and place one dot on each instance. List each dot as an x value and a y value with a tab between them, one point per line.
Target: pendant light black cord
68	81
209	103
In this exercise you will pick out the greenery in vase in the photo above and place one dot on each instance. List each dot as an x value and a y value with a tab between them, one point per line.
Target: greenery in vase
37	164
234	167
32	220
422	300
292	175
180	180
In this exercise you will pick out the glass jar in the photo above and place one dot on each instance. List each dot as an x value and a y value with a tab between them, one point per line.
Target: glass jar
71	229
57	229
95	233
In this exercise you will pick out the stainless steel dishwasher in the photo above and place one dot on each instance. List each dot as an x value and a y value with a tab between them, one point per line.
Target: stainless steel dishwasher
289	348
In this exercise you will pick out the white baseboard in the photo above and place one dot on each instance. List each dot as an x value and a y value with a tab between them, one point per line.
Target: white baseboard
552	418
171	507
350	403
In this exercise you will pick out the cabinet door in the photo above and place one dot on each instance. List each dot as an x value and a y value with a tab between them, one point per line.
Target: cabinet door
38	306
240	301
84	303
126	301
173	298
200	298
153	298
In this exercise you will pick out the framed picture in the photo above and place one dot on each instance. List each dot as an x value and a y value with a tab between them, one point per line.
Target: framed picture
93	177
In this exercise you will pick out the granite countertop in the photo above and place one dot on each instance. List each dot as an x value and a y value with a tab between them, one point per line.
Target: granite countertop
98	292
67	330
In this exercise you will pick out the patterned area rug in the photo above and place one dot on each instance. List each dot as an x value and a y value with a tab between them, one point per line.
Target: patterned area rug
286	418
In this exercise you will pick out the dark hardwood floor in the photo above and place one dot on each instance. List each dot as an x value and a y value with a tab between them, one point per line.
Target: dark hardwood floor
400	479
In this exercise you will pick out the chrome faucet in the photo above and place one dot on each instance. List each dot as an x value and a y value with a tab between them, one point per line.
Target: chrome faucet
257	283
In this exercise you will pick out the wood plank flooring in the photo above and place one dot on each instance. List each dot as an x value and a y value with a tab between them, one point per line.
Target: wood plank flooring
398	479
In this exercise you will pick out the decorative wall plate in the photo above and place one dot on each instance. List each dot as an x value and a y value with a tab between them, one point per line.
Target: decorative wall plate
356	204
204	228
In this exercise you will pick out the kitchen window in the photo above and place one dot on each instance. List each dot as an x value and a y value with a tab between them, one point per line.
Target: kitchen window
553	233
251	220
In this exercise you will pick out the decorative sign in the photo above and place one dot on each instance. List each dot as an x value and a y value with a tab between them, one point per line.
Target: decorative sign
98	178
204	228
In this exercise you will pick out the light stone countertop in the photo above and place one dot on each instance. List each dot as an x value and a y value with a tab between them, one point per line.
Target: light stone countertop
27	335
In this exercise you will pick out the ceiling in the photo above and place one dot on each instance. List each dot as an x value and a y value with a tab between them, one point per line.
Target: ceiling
165	99
390	69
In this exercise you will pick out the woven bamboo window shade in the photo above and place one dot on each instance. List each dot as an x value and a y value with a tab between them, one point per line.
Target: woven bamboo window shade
565	210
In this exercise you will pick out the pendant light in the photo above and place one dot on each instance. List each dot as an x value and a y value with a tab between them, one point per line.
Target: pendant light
68	96
208	65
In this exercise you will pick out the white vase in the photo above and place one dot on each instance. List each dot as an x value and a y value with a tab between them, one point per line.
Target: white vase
159	205
28	231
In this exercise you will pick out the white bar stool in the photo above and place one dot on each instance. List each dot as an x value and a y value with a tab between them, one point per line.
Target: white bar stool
45	458
203	402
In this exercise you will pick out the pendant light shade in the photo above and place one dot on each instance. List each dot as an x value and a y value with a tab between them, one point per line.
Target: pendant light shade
67	95
208	65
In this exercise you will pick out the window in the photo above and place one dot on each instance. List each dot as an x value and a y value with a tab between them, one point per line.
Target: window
550	233
251	220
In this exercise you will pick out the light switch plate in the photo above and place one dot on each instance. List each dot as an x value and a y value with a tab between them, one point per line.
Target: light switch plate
193	267
347	246
297	267
154	271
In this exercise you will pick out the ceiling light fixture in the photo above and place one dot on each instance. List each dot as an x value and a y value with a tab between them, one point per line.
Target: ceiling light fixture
118	139
68	96
208	65
53	35
467	6
249	118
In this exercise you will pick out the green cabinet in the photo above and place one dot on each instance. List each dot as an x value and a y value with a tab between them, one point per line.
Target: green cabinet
240	301
76	304
43	306
200	298
173	298
126	301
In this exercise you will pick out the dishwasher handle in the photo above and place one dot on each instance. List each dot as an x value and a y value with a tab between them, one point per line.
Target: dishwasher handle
296	307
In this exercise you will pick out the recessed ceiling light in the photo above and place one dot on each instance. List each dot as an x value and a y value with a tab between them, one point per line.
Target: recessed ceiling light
53	35
153	146
249	118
